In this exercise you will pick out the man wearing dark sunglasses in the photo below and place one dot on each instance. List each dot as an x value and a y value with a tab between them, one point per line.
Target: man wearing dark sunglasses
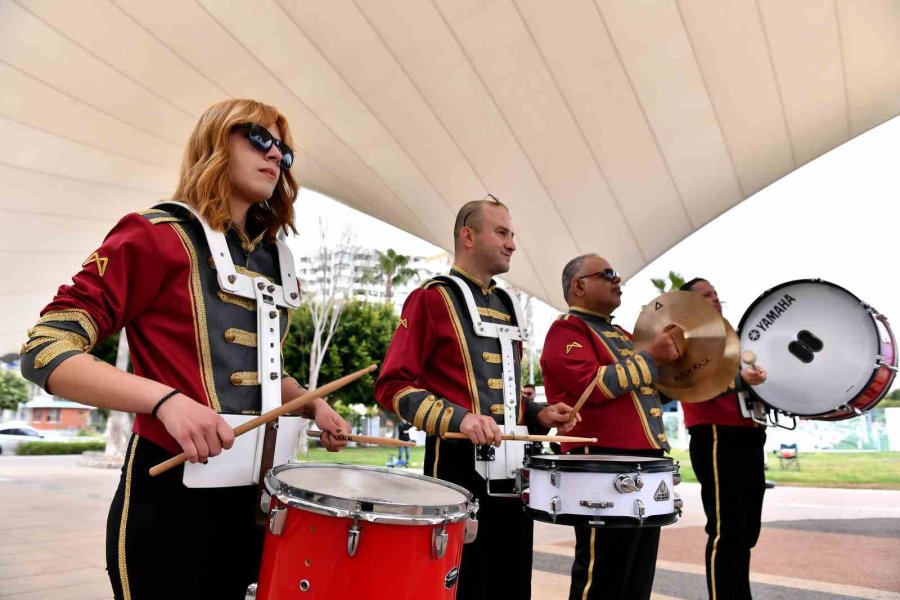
444	376
585	351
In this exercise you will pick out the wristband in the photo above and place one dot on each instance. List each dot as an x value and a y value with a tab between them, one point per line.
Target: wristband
161	401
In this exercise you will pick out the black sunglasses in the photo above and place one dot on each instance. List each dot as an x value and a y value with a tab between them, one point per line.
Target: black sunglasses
607	274
489	197
262	140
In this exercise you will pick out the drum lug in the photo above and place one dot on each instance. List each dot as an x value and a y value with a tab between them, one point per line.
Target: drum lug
554	478
676	474
624	484
555	506
439	539
592	504
639	510
472	524
353	535
277	517
679	503
251	592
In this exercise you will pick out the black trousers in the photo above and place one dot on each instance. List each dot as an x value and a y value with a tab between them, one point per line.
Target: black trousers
614	563
730	466
498	563
164	540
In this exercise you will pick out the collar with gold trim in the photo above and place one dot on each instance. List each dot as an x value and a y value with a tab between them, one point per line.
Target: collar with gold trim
471	279
590	313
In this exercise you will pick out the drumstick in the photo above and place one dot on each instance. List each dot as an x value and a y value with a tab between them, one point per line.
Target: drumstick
273	414
366	439
749	357
513	437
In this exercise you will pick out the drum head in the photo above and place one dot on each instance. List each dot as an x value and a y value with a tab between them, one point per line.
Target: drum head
374	489
599	463
817	342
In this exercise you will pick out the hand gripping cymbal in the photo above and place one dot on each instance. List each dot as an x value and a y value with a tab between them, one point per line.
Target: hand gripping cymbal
707	364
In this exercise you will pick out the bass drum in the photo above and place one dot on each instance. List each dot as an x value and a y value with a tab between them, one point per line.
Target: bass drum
829	356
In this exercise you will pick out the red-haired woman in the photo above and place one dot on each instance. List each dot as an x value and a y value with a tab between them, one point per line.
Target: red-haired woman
194	350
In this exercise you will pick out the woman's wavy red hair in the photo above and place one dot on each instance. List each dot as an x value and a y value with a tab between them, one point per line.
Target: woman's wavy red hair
204	183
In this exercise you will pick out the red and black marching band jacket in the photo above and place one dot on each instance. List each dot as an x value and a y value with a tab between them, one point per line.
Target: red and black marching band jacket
437	369
585	350
154	275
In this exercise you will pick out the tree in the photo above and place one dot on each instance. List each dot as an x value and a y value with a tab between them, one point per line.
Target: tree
538	375
360	339
392	270
674	282
892	400
118	423
333	274
13	390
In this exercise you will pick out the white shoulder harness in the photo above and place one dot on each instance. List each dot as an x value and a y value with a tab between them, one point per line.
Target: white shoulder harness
509	457
240	465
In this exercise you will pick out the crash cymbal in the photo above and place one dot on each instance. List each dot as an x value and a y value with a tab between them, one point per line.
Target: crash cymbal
710	387
705	337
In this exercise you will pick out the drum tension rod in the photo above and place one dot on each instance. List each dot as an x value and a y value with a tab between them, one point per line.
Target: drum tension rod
353	535
439	539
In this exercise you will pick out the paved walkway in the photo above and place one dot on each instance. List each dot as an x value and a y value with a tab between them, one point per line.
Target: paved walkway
817	544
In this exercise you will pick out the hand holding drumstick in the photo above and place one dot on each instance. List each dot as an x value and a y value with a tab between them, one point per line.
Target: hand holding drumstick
752	374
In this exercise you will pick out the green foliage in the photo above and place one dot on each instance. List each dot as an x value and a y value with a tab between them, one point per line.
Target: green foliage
108	351
892	400
538	375
361	339
46	448
13	390
392	269
673	282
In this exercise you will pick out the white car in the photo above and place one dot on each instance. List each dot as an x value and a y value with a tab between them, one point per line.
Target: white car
13	434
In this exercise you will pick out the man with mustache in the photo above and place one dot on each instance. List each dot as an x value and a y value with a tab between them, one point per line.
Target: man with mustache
585	351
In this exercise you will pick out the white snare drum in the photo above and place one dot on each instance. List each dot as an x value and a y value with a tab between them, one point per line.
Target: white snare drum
828	355
597	490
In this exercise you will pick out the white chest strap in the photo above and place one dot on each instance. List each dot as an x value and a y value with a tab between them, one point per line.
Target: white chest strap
268	297
506	334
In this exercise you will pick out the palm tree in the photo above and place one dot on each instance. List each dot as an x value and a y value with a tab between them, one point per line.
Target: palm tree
392	269
675	281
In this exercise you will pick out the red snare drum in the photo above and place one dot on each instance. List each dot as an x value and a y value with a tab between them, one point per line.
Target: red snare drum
829	355
339	531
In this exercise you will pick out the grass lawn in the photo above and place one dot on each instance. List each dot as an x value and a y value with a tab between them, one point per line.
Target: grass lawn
874	470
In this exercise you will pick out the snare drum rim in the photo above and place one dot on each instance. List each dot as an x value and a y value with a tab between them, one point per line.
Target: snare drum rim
875	369
599	463
369	510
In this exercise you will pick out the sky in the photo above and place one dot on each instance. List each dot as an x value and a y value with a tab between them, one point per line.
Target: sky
835	218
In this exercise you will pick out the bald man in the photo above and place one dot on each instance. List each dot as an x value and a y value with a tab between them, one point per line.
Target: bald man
444	375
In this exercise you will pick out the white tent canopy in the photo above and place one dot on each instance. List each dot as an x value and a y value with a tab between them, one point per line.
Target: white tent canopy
611	125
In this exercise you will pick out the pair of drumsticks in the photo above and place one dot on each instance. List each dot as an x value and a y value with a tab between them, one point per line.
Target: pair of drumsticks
310	396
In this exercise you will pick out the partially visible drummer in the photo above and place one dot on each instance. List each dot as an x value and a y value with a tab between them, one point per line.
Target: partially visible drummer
727	456
584	353
440	375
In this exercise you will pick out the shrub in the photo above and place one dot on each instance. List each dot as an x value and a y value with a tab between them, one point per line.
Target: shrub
46	448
